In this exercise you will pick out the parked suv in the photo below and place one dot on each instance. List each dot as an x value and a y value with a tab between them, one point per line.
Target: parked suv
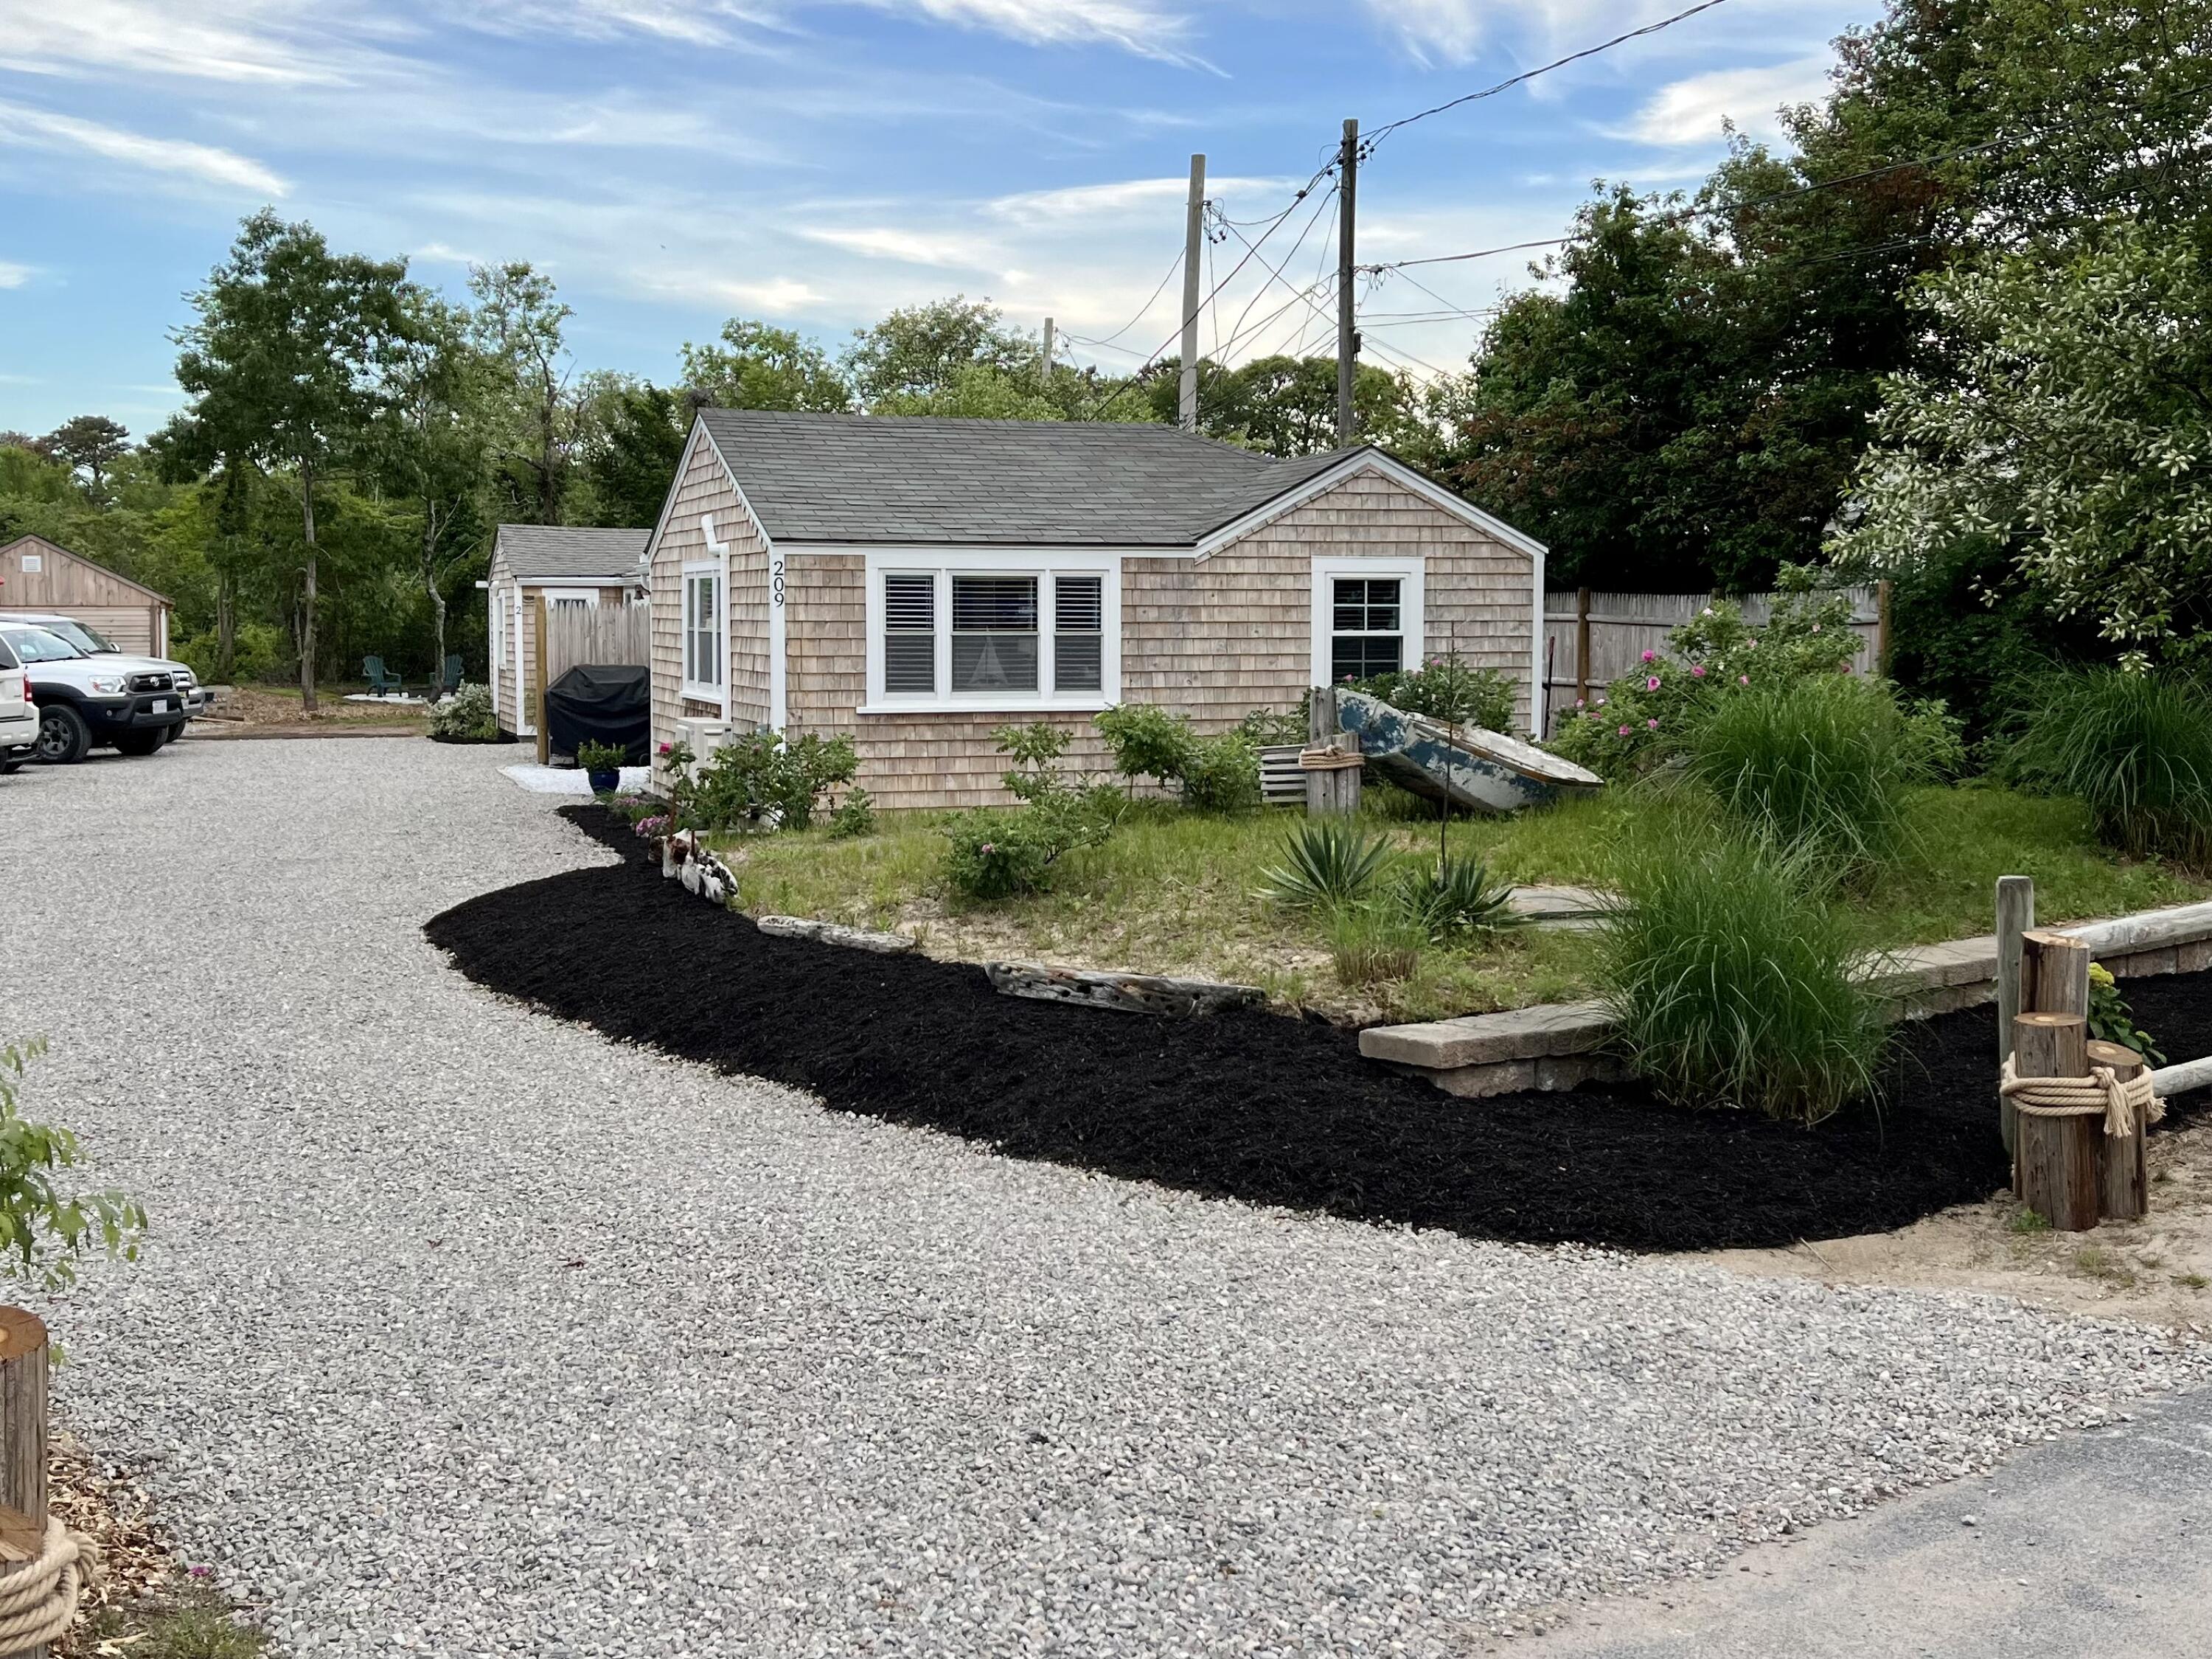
19	715
84	700
90	641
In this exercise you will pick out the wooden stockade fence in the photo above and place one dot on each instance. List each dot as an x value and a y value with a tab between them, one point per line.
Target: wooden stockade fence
565	636
1593	638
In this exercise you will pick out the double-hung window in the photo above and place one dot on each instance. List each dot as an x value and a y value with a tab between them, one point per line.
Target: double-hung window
706	628
1366	617
987	631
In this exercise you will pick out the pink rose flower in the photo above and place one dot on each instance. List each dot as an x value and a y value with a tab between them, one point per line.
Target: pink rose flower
1651	656
1652	726
1743	679
1696	670
667	748
1651	684
1624	731
1578	702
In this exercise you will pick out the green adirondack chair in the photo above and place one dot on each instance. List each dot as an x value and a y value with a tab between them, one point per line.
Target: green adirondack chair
381	683
450	681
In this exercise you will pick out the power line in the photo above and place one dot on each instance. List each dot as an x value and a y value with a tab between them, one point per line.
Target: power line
1174	266
1507	85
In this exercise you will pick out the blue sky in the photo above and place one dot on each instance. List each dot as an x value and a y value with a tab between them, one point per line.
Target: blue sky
673	162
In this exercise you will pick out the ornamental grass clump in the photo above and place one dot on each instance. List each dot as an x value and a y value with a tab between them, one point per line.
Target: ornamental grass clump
1821	766
2135	747
1734	983
1328	864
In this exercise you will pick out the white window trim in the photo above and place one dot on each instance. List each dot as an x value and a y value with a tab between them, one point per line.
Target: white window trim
1044	563
1413	616
697	691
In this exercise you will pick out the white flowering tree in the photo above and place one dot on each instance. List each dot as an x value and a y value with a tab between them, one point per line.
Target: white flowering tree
2074	427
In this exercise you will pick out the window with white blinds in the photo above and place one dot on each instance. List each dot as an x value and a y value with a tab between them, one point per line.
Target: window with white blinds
1078	633
960	636
910	634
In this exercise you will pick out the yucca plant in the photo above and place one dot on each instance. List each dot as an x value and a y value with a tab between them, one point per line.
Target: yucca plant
2137	748
1734	982
1454	898
1819	765
1328	863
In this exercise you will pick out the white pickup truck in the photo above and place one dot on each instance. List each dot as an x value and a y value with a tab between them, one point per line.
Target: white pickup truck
86	701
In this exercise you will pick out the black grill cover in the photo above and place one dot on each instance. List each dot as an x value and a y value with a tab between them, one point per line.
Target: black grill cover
601	703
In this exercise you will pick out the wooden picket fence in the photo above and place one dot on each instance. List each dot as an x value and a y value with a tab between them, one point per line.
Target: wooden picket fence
1592	638
586	634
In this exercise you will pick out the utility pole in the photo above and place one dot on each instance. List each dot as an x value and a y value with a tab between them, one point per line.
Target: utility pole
1044	369
1194	234
1347	336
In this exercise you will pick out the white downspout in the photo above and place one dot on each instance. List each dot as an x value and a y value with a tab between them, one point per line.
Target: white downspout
721	552
521	697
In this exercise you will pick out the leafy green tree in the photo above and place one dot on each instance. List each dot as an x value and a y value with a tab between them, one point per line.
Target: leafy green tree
282	366
520	324
920	351
43	1231
434	444
759	367
634	454
2074	425
1287	405
90	444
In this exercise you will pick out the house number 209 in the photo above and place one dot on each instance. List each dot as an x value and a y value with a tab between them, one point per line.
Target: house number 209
775	582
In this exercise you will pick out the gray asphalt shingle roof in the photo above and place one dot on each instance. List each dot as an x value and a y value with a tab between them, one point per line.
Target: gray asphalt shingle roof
1030	483
544	552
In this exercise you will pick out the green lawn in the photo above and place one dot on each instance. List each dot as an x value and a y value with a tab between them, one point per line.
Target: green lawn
1174	892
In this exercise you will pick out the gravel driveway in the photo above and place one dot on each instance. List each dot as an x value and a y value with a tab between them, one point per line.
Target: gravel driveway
466	1331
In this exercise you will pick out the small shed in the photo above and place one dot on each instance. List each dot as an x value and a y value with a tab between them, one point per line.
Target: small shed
37	574
573	569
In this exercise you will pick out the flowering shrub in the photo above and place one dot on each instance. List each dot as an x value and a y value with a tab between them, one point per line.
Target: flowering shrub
759	778
1649	715
465	717
649	828
997	854
1445	689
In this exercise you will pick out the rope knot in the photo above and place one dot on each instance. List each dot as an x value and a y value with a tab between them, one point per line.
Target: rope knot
2101	1093
38	1598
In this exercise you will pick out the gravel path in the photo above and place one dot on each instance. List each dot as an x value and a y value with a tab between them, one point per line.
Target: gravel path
468	1333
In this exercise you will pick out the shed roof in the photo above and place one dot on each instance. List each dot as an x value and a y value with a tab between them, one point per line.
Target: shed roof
922	479
545	552
106	572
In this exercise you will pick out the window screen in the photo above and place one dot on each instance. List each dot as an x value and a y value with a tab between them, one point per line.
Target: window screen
1367	604
1078	633
910	633
995	633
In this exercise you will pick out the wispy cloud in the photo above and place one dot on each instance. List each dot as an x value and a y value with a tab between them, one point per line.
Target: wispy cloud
1693	110
244	41
14	275
37	129
1122	197
911	247
1148	30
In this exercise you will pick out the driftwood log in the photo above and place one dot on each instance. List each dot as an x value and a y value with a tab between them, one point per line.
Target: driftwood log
2058	1169
1136	994
2123	1170
831	933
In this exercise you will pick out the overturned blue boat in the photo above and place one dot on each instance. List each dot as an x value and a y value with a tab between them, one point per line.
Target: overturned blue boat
1480	770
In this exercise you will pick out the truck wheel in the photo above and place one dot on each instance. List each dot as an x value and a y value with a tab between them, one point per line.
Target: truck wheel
63	736
139	742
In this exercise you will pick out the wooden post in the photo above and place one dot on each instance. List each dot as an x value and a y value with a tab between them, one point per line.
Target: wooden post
2124	1183
1881	633
2058	1172
1330	789
2016	916
537	704
1582	645
2054	972
23	1356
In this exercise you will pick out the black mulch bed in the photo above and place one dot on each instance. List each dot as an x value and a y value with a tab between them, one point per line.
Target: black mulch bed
1251	1106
